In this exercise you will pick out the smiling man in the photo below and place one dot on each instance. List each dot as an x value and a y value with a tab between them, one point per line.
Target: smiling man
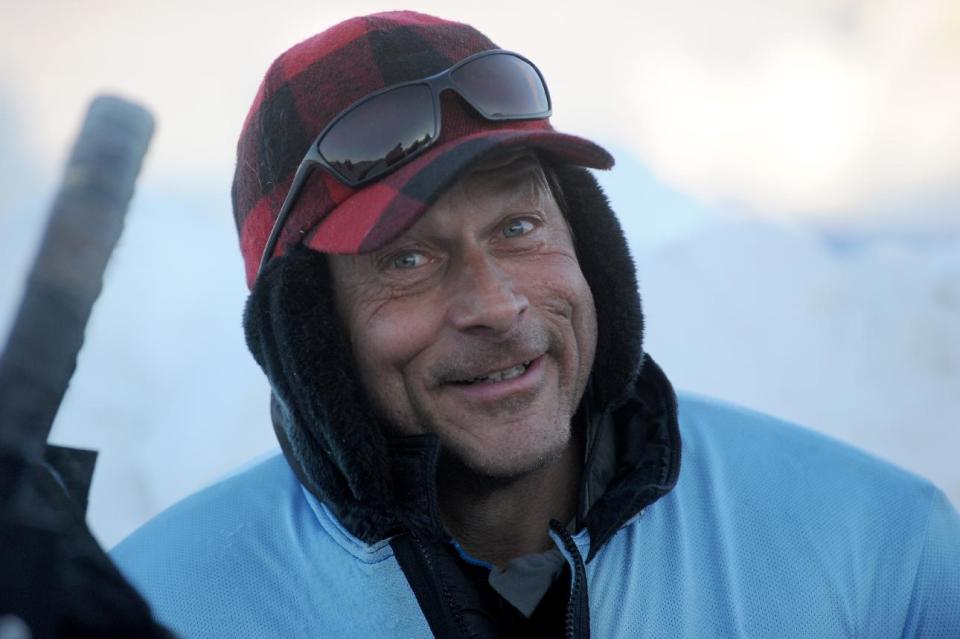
474	442
478	326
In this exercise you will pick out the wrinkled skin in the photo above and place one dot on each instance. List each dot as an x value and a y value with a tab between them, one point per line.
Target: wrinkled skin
487	280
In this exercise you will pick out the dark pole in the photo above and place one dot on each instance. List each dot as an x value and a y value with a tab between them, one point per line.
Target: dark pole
84	225
55	580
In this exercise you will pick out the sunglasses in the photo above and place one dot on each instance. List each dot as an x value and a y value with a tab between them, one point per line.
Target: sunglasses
384	130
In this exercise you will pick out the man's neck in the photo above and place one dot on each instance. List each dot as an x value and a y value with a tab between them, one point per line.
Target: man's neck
497	522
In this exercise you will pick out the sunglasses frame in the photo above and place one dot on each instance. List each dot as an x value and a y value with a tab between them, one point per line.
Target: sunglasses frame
437	83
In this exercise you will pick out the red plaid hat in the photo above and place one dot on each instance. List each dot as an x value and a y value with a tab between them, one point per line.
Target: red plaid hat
314	81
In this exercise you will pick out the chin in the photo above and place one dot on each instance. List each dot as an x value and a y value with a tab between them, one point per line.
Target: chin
510	459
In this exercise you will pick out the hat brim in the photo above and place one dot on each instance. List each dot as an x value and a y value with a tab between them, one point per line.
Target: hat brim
377	214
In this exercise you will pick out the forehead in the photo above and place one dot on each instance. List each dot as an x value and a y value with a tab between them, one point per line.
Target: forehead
507	171
504	180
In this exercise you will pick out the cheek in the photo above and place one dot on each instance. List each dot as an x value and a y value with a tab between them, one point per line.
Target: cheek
379	348
385	345
585	324
583	318
567	295
562	288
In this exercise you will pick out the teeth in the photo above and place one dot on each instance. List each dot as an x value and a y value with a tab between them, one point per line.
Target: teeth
499	376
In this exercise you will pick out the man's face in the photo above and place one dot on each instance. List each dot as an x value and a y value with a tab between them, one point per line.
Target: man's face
477	323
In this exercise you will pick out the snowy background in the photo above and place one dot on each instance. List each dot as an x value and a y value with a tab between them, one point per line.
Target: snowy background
788	173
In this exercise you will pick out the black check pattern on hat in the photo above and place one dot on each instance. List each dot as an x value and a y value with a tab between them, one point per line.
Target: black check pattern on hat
400	51
314	81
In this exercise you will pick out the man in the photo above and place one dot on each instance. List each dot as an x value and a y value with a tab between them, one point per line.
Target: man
474	443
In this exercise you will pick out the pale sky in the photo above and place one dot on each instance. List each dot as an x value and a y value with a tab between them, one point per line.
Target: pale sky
840	111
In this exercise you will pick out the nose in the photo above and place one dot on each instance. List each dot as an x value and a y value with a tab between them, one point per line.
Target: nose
484	298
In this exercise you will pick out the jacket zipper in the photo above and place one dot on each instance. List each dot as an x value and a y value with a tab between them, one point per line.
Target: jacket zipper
578	609
440	585
432	594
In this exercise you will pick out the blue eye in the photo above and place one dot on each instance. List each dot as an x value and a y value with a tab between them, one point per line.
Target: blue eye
516	228
408	260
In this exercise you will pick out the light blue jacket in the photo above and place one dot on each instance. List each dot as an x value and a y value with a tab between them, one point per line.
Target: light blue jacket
771	531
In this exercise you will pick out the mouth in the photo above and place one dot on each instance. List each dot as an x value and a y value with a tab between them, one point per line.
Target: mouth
521	380
497	376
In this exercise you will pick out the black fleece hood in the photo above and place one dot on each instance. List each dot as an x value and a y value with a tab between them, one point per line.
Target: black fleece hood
378	483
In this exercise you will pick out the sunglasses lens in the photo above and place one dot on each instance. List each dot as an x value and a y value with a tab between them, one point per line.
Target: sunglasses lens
380	133
502	86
